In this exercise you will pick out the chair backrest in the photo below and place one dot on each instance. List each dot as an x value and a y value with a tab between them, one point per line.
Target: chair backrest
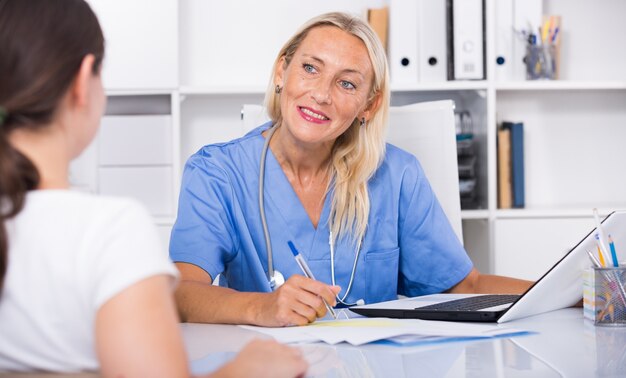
426	130
252	116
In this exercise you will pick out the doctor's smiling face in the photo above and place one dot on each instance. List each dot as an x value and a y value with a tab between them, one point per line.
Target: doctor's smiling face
325	86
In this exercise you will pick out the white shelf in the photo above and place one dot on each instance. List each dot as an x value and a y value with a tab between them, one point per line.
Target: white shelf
418	87
457	85
560	85
213	91
539	85
164	221
139	91
474	214
575	212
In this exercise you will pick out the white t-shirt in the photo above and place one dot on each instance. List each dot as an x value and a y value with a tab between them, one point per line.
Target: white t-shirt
70	252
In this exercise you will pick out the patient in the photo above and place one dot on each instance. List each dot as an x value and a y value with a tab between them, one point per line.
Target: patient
84	283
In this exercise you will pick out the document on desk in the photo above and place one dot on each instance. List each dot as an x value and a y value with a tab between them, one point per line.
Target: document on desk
361	331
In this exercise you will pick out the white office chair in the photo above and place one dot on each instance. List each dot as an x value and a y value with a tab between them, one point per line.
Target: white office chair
427	130
424	129
252	116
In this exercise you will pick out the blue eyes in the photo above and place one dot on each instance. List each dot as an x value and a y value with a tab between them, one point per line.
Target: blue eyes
347	84
309	68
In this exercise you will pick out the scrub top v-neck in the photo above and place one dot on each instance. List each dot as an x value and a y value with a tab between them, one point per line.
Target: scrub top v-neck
409	247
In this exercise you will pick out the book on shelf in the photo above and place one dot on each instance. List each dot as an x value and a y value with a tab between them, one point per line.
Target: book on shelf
517	162
378	18
505	187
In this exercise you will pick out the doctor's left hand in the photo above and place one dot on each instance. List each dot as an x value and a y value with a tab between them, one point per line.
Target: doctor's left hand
297	302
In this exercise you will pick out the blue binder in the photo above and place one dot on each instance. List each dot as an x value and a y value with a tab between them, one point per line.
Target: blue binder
517	161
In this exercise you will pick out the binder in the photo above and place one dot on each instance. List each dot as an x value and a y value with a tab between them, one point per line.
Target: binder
432	41
504	36
404	42
468	50
517	162
527	16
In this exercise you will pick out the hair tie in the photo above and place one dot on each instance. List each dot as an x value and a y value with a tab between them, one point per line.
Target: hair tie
3	115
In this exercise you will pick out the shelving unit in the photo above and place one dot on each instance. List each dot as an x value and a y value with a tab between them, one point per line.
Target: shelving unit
212	57
561	85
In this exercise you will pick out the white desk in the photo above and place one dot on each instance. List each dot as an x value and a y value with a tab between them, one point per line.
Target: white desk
565	345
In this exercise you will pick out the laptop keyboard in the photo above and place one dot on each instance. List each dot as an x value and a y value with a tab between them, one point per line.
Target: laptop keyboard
473	303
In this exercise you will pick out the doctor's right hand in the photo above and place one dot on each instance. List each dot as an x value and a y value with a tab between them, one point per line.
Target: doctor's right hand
297	302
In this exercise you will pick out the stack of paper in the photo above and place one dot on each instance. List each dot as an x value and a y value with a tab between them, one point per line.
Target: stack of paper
397	331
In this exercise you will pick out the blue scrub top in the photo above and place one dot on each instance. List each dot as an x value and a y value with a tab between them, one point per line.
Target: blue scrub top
409	247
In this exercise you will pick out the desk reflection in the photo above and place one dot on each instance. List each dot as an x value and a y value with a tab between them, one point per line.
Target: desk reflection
610	347
498	358
564	345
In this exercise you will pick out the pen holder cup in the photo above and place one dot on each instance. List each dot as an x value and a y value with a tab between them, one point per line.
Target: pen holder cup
541	62
604	296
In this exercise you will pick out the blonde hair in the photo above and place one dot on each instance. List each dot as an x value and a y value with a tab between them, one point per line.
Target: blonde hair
359	151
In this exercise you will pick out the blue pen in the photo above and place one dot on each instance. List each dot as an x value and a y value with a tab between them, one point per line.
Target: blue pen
613	253
307	272
556	31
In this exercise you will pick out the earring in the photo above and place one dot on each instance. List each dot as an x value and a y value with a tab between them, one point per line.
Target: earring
278	89
363	123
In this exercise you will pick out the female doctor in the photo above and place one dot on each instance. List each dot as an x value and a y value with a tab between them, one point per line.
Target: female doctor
319	174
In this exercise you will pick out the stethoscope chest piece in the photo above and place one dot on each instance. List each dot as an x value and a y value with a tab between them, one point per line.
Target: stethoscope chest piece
277	280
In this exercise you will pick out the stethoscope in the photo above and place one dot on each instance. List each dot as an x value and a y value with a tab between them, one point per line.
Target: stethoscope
274	277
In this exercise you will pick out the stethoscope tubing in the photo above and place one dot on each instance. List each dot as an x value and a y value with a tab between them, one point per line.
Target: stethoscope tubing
266	233
271	273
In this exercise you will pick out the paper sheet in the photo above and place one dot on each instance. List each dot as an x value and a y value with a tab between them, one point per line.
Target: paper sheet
366	330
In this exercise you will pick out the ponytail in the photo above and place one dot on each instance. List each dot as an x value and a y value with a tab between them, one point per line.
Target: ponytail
17	176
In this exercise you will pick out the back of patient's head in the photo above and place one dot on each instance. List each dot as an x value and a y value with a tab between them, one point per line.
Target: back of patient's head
42	45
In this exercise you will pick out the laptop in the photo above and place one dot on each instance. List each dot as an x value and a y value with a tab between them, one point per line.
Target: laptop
560	287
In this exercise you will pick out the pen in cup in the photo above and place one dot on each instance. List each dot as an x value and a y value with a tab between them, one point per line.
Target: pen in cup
613	252
601	237
600	254
554	35
593	259
307	272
